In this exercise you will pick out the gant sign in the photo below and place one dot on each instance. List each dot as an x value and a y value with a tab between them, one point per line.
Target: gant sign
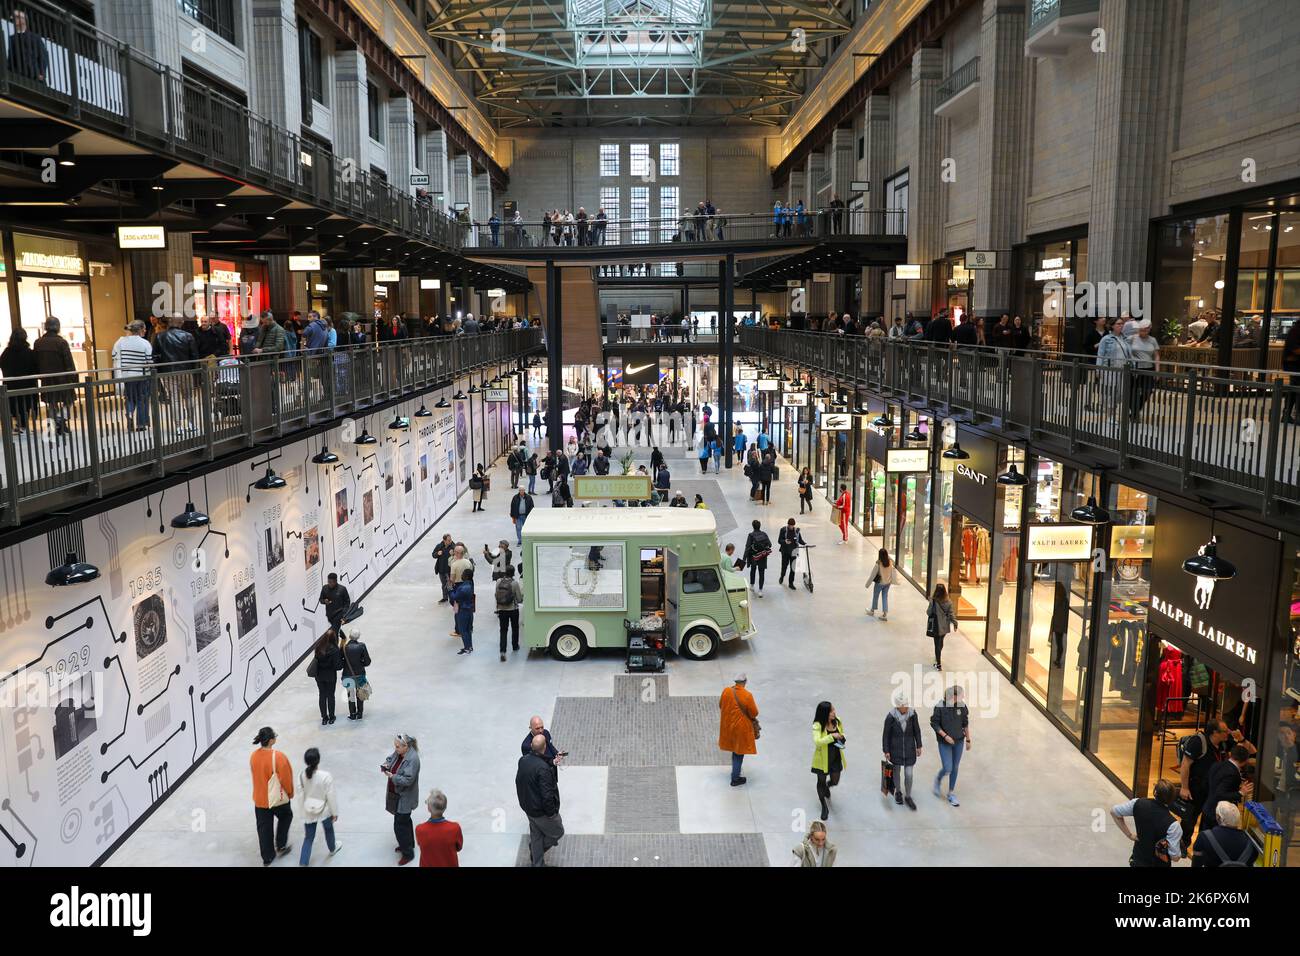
1237	648
971	473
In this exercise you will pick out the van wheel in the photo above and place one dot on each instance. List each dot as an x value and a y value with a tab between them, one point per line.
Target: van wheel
569	644
699	644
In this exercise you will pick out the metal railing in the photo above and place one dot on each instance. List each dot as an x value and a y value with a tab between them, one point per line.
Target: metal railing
615	333
681	230
1196	425
1042	11
958	80
69	68
216	15
78	435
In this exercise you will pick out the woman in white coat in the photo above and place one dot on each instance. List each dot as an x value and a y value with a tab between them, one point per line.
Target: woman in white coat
317	804
882	578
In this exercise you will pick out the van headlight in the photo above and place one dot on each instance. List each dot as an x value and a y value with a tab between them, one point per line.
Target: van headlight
745	603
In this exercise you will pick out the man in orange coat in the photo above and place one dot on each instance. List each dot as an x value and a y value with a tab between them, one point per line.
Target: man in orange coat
738	725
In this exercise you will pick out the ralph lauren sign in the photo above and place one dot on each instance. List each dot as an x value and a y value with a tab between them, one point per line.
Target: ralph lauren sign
1229	622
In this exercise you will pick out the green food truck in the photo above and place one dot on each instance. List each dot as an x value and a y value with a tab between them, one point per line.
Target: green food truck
587	571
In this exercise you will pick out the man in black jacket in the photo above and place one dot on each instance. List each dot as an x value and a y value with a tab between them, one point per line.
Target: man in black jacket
213	339
1228	780
788	540
521	506
336	599
27	55
442	564
58	373
1225	844
601	465
538	787
174	355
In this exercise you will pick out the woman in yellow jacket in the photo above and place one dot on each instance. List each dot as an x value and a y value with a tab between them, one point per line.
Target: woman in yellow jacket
828	752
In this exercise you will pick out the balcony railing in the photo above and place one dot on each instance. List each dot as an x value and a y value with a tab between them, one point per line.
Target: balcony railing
1043	11
216	15
68	68
69	437
958	80
689	230
1195	425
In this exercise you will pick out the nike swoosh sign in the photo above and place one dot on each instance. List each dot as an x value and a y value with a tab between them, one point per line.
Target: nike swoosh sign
633	369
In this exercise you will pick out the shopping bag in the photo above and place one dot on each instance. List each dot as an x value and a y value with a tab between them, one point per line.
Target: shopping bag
835	516
886	778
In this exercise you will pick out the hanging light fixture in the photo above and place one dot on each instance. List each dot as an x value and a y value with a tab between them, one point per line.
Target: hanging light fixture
822	394
784	377
67	154
399	423
191	517
1091	513
459	396
325	457
956	453
883	420
270	481
423	412
1206	563
916	434
1013	477
442	403
474	389
71	571
365	438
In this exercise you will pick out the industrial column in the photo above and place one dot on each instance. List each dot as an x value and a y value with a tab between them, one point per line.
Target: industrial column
726	349
554	362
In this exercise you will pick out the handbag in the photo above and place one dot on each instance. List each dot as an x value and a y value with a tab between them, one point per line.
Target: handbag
311	667
362	684
886	778
758	728
836	511
314	806
274	789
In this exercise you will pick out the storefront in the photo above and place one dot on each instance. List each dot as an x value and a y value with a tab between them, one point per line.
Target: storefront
954	286
230	290
1240	260
962	551
1050	268
907	503
44	277
871	455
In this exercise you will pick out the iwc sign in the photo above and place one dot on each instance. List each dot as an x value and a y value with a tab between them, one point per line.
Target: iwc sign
1230	622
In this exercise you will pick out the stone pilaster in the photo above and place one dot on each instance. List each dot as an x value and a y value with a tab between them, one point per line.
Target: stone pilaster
401	143
274	58
462	179
351	116
1002	120
925	217
481	204
151	26
173	266
436	162
288	290
877	163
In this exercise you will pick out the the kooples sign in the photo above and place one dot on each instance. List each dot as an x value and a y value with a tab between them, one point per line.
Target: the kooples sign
1231	622
974	486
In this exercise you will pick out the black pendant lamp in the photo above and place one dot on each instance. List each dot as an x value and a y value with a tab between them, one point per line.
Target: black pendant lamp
365	438
325	457
459	396
270	481
191	517
883	420
1013	477
474	389
1092	514
423	412
916	434
71	571
822	394
1206	563
442	403
956	453
399	423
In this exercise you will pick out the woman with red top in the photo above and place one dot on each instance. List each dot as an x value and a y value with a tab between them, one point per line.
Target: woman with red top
845	503
402	768
439	839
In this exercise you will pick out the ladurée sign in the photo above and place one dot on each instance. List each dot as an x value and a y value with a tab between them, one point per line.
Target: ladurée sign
1229	623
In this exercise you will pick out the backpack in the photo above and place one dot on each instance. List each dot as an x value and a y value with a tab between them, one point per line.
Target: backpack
505	592
1213	841
1182	746
762	545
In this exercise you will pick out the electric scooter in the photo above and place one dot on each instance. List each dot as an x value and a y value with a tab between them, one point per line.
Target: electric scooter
807	567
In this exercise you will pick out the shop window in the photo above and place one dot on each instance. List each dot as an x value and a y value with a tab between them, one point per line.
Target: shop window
700	581
1004	571
1116	706
1278	766
1191	276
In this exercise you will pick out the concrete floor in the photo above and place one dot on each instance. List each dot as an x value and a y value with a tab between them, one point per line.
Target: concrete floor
1028	796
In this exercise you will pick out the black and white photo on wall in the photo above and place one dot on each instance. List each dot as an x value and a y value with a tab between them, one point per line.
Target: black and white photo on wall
246	609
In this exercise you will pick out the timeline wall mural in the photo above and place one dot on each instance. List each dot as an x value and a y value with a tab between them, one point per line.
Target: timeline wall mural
111	690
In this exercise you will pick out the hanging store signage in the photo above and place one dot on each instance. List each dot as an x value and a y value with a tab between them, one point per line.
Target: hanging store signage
619	487
793	283
745	374
1059	542
304	263
645	372
224	277
419	179
835	422
767	385
141	237
1056	262
387	275
859	186
974	488
496	394
322	287
907	460
1132	541
428	284
907	271
981	259
1230	623
795	400
1051	275
821	277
